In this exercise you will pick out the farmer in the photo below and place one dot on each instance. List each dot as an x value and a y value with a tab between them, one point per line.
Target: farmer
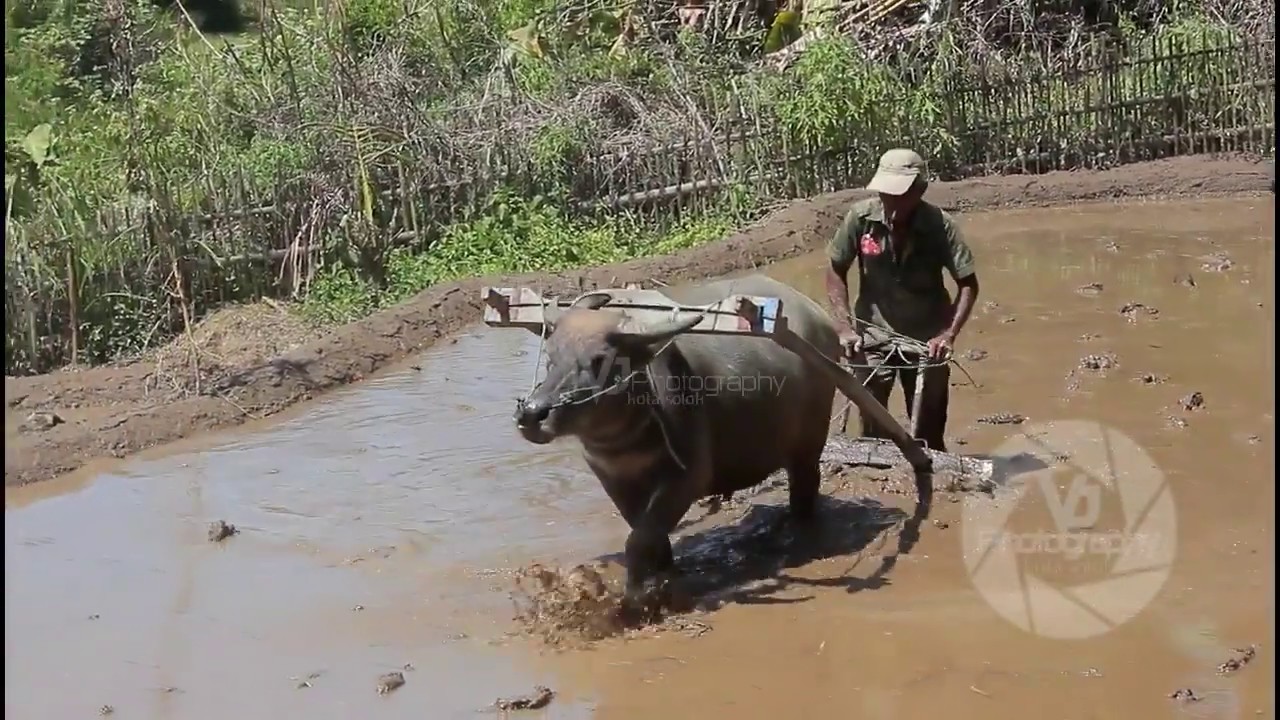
902	244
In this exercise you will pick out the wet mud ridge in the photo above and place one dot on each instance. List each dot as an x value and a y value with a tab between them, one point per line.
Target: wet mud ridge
58	422
741	549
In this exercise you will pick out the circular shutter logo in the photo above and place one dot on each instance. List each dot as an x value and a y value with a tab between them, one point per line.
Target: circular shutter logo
1080	540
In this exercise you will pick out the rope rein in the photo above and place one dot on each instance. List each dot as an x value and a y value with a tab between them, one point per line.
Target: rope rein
898	342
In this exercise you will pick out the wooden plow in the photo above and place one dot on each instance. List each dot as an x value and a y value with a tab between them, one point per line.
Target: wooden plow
762	317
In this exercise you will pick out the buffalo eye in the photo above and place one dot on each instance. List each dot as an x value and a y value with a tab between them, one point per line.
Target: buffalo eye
598	366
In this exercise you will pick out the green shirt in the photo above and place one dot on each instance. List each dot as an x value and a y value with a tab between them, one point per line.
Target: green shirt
906	294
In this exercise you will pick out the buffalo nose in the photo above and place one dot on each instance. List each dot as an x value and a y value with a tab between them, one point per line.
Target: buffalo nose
532	412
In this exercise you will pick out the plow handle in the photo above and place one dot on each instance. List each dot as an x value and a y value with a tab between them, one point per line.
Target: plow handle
854	390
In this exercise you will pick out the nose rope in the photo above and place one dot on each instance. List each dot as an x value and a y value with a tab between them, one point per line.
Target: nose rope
542	343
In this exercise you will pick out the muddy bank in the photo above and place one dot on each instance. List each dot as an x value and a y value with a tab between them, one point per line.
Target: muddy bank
58	422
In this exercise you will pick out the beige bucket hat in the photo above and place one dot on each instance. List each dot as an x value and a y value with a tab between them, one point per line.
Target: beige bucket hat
898	169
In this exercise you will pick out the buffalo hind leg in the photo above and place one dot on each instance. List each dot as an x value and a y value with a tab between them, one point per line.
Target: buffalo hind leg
804	480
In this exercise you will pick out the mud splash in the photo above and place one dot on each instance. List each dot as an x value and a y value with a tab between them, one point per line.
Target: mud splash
738	551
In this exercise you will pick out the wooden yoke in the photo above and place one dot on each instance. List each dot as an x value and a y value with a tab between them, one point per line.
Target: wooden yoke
734	315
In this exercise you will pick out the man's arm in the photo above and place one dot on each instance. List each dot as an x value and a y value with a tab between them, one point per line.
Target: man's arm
964	273
968	295
841	252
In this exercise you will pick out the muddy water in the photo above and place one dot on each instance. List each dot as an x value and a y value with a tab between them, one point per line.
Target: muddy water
409	496
373	528
927	644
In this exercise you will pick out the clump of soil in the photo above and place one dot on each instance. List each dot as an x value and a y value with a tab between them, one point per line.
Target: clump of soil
1003	418
539	698
1185	695
220	530
1103	361
389	682
41	420
1131	311
1217	262
1194	401
227	340
1240	658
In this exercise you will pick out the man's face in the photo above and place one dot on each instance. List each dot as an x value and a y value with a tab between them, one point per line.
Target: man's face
898	208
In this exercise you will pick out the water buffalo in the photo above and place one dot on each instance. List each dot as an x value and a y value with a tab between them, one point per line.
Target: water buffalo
666	418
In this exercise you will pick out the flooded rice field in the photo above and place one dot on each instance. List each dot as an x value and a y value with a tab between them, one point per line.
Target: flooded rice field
377	530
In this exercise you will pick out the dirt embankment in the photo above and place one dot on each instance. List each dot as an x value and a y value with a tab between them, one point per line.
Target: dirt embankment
57	422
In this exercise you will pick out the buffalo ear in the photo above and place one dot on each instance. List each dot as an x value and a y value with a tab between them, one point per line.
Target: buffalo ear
550	316
593	300
551	311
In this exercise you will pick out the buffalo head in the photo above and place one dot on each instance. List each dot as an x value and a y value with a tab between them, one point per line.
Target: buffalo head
593	355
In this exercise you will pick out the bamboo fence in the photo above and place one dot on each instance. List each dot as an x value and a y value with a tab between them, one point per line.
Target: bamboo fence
1154	100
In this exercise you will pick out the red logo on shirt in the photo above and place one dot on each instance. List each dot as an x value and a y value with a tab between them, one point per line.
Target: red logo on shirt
870	246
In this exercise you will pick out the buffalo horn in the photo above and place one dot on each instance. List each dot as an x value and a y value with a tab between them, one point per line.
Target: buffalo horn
652	334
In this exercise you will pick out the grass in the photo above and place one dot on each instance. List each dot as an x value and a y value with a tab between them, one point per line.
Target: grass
389	145
525	238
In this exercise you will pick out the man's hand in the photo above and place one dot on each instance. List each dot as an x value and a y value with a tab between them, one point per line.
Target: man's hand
851	342
940	346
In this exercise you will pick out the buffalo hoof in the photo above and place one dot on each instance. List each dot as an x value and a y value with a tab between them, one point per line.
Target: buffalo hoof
642	605
647	602
793	522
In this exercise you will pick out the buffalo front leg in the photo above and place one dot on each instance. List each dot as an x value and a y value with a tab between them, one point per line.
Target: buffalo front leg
648	548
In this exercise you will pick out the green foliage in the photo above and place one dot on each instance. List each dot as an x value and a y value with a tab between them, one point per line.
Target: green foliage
837	97
555	149
339	295
785	30
369	24
512	235
145	161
